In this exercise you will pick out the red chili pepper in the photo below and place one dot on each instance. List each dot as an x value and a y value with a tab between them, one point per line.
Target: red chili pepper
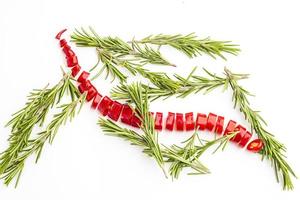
245	139
189	121
63	43
241	131
211	121
219	125
230	127
83	77
71	61
255	146
135	121
201	121
59	34
158	121
170	121
115	111
92	92
75	70
96	100
179	122
68	51
84	86
105	105
127	114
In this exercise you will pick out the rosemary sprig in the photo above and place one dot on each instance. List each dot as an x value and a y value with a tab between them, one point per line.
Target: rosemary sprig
273	149
192	46
179	87
34	113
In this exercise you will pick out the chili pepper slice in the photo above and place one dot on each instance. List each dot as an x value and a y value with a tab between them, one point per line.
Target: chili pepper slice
201	121
135	121
230	127
211	121
245	139
96	100
83	77
71	61
115	111
75	70
158	121
179	122
241	131
189	121
255	145
68	51
92	92
219	125
126	114
59	34
105	105
170	121
84	86
62	42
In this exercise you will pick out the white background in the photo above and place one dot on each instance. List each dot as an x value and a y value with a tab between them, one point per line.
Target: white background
83	163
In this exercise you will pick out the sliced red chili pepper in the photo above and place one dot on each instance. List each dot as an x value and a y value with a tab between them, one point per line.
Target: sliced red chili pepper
241	131
83	77
158	121
189	121
219	125
92	92
68	51
75	70
255	145
245	139
96	100
105	105
170	121
115	110
135	121
59	34
201	121
71	61
211	121
179	122
230	127
84	86
127	114
62	43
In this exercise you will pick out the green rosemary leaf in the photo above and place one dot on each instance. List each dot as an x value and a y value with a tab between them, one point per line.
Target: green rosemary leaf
193	46
273	149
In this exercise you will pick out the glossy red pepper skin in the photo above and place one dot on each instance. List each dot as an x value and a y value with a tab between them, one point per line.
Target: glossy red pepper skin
83	77
96	101
62	43
219	125
115	111
189	121
75	70
241	131
201	121
84	86
92	92
211	121
135	121
158	121
230	127
68	52
71	61
105	105
255	145
170	121
179	122
127	114
59	34
245	139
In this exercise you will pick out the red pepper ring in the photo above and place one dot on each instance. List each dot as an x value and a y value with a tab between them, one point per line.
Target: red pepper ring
211	121
170	121
83	77
75	70
201	121
71	61
158	121
115	110
126	114
59	34
96	100
189	121
219	125
255	145
245	139
104	105
63	43
179	122
92	92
